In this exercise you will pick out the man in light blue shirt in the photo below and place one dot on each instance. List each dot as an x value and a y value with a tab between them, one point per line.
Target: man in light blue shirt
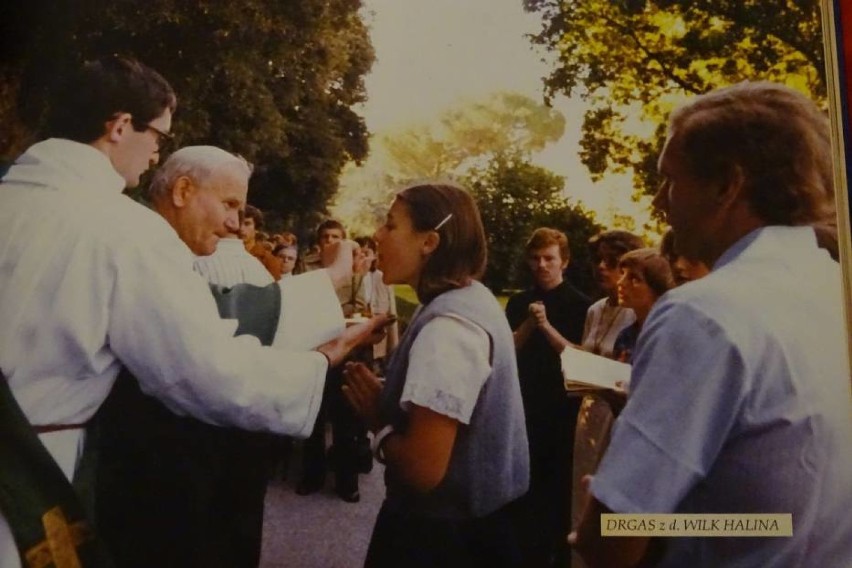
740	391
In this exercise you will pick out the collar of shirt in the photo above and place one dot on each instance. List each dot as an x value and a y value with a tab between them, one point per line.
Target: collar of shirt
542	293
228	247
769	239
67	166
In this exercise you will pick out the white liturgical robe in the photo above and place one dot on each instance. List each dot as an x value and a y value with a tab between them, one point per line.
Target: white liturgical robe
232	264
91	280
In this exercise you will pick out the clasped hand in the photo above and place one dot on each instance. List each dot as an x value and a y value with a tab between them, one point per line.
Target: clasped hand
538	313
362	389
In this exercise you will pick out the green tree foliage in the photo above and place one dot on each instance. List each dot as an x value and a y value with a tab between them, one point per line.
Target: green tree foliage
366	193
273	81
515	197
633	58
460	138
471	132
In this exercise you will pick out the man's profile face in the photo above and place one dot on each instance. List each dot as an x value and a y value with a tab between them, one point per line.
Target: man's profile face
546	265
249	229
688	203
330	236
212	211
137	151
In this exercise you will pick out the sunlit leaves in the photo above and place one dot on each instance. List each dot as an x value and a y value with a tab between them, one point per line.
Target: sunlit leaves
469	132
618	53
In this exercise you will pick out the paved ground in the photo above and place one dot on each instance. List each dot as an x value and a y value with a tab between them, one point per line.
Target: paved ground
323	531
319	530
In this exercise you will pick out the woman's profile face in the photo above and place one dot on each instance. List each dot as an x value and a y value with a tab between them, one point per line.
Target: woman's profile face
606	268
634	292
400	248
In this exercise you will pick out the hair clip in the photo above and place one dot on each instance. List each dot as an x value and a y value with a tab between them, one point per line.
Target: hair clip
443	222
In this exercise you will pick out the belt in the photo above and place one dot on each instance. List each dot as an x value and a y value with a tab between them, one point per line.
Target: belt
45	428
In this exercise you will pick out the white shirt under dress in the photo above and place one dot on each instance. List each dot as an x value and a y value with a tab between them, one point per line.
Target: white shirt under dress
603	324
448	347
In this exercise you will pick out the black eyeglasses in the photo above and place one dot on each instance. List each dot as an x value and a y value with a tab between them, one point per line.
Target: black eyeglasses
163	137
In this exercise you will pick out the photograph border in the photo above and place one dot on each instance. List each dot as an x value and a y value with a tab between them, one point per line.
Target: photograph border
838	61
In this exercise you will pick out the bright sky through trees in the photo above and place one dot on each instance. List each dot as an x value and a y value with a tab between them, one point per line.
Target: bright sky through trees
431	55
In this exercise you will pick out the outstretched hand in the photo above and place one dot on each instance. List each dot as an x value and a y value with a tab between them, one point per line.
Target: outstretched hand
371	331
362	389
361	334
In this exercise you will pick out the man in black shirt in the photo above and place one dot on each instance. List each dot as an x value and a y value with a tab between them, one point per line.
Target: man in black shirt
545	319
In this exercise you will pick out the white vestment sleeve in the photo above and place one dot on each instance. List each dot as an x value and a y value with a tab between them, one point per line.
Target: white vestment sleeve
164	325
310	312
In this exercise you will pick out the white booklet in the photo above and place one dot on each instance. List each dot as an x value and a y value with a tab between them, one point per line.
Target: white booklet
582	370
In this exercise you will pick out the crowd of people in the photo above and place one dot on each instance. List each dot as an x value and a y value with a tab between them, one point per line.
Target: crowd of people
155	357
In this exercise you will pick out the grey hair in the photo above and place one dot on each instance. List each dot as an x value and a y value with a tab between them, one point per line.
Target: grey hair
777	138
199	163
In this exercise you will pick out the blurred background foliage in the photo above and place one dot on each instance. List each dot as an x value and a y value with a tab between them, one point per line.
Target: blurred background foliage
276	82
280	82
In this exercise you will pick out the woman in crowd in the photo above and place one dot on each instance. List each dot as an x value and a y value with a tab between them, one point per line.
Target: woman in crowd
645	276
604	321
683	269
606	318
449	422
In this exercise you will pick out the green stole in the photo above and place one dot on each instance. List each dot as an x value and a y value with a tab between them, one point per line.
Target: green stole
45	514
256	308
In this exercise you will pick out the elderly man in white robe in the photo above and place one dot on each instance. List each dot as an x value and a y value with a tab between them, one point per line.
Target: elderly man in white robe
91	281
171	490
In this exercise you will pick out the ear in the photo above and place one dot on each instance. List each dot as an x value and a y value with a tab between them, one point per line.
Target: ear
182	191
118	126
566	261
732	190
430	243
